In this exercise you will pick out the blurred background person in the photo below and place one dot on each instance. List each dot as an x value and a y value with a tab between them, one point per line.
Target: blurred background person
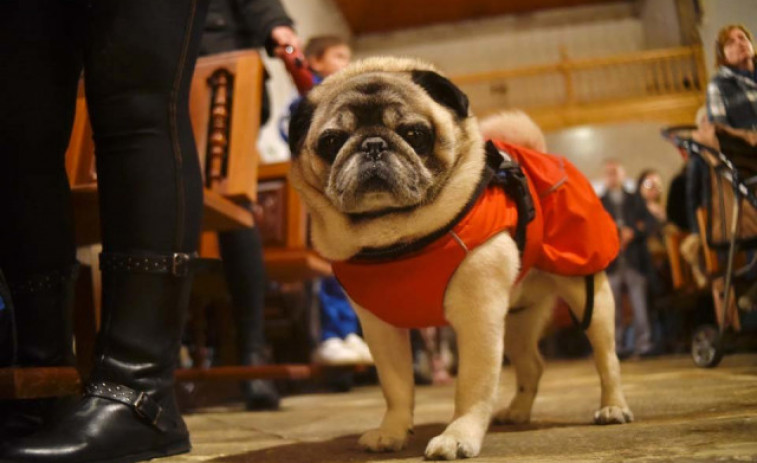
732	102
732	91
327	54
630	268
435	360
649	187
697	174
233	25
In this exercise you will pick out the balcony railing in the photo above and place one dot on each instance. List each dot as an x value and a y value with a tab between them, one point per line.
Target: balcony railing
575	82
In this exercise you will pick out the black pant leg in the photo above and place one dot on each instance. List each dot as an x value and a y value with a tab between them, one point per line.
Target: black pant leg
41	63
139	59
242	255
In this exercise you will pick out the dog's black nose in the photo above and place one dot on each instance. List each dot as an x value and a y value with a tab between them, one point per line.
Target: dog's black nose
374	146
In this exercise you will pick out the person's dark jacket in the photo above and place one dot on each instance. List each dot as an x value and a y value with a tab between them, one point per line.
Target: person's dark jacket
238	24
676	206
235	24
635	216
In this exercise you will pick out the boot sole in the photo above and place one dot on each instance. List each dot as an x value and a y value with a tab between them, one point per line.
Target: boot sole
176	449
173	449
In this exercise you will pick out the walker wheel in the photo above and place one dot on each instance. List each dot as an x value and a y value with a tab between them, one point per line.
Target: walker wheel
706	348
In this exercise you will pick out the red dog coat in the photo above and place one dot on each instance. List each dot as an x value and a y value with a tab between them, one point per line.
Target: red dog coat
570	234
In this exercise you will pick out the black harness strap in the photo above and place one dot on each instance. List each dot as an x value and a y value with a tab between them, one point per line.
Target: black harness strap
588	307
509	175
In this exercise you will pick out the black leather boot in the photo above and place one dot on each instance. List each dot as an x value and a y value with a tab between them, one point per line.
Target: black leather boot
259	394
128	412
39	312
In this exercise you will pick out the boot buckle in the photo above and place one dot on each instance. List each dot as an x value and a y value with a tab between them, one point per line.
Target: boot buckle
147	409
180	264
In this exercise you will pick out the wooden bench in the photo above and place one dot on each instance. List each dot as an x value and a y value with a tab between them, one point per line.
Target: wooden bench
680	270
284	227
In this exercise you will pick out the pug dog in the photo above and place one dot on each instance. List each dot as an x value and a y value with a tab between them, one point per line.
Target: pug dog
387	157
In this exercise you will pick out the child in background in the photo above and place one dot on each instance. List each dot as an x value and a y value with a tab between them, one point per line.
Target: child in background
327	54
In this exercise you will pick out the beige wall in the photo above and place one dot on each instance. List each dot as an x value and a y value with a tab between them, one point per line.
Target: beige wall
514	40
637	145
660	20
317	17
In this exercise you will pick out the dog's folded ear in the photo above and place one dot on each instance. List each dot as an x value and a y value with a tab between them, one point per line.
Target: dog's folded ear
443	91
299	124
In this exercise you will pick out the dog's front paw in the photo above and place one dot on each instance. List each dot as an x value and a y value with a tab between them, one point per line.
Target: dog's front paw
449	446
613	414
512	415
383	440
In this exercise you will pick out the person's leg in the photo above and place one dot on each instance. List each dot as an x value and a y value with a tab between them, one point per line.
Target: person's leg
637	293
332	349
348	321
42	63
696	177
40	46
691	250
242	256
139	57
331	309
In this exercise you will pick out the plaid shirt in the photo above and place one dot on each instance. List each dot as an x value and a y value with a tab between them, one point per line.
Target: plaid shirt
732	99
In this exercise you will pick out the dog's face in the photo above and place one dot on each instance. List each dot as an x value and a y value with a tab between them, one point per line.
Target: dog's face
380	141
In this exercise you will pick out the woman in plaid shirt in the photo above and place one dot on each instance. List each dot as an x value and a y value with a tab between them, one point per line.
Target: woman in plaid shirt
732	92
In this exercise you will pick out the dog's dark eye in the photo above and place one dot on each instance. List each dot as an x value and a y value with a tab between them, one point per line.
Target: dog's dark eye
329	144
418	136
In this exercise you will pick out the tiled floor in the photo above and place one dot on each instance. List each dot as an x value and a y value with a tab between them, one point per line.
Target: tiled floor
683	413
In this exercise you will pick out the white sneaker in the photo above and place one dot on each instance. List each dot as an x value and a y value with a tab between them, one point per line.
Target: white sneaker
357	345
334	351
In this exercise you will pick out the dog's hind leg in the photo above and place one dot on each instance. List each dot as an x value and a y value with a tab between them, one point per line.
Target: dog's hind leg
390	348
523	328
601	333
476	304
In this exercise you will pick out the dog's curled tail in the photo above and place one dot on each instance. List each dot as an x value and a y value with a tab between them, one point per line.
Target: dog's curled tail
513	126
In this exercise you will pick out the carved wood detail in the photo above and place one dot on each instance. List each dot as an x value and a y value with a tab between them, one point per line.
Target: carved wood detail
216	163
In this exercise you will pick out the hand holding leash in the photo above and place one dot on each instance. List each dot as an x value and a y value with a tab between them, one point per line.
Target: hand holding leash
284	43
296	65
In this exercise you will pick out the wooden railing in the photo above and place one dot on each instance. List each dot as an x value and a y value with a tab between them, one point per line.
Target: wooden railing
574	82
